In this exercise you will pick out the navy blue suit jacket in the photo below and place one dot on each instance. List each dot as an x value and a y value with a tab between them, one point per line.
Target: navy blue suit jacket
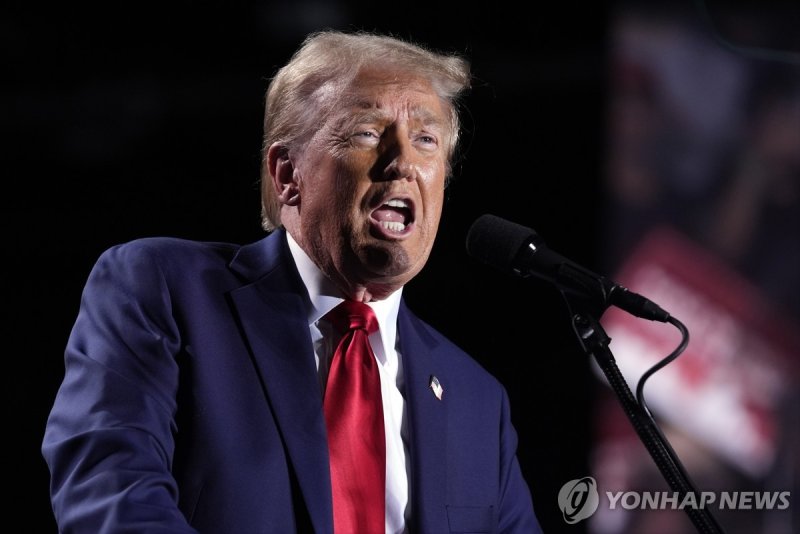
191	403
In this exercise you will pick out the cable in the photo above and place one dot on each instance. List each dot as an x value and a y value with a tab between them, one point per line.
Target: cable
643	404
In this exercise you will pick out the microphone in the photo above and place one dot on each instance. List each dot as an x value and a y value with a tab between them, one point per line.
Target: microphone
514	248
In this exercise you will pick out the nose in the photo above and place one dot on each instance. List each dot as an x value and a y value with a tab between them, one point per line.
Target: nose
400	162
399	169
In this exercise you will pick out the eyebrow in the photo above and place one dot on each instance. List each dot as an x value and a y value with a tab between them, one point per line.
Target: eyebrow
367	112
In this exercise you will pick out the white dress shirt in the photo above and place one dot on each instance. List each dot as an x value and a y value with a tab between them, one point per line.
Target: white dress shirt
324	296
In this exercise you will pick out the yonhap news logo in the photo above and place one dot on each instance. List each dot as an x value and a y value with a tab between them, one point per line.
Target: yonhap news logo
579	499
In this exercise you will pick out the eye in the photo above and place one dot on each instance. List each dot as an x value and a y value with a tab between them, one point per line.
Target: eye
369	137
426	141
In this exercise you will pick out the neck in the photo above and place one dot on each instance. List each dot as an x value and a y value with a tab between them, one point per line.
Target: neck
362	293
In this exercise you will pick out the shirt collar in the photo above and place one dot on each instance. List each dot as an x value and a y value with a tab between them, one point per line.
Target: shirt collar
324	296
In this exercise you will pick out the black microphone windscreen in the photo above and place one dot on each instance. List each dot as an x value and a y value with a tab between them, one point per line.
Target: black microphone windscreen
496	241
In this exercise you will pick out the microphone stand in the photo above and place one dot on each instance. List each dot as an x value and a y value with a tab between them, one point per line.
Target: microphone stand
594	341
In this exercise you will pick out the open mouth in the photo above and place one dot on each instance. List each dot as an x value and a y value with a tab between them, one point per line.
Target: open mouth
395	216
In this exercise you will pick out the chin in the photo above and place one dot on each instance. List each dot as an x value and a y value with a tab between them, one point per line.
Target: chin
392	264
386	259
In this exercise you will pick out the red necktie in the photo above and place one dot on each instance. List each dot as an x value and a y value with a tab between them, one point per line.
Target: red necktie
354	418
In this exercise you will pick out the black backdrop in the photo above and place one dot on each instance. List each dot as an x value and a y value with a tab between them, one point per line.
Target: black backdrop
131	121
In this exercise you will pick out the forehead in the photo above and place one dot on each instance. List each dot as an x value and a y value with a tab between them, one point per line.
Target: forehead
392	92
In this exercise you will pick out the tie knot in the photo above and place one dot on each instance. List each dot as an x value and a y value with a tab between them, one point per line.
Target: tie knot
353	315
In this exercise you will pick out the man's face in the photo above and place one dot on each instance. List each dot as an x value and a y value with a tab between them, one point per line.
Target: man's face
371	182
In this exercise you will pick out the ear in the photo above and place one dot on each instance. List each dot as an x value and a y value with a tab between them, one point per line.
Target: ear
281	171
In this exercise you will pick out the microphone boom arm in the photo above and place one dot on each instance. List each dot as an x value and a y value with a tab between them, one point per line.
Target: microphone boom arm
594	341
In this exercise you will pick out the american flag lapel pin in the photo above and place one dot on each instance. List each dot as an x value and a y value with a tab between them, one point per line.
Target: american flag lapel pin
436	387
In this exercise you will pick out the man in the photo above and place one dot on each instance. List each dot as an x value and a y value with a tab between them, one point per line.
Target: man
196	393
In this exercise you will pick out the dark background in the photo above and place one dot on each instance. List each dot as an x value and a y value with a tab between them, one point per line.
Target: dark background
131	121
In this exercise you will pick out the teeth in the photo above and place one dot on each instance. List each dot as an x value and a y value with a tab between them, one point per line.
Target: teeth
397	203
393	226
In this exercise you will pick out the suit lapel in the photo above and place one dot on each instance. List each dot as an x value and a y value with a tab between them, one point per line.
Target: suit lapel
427	421
272	314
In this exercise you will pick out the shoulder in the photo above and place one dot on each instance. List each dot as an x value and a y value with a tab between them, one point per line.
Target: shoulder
153	263
168	249
167	253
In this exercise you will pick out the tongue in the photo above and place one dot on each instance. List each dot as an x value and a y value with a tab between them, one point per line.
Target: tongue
388	214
